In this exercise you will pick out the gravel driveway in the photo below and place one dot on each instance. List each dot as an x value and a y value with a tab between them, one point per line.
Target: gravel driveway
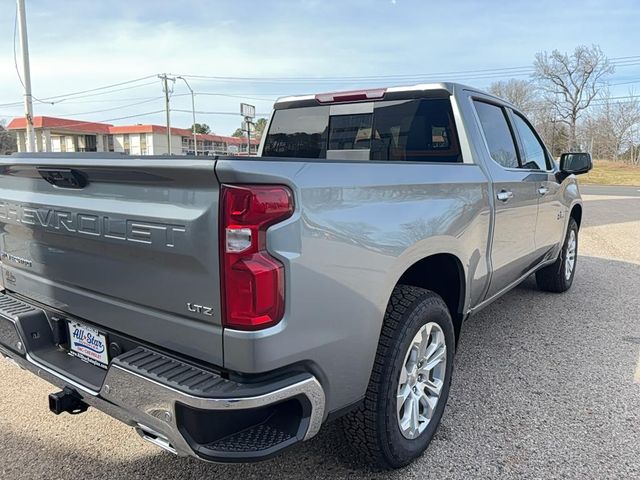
544	388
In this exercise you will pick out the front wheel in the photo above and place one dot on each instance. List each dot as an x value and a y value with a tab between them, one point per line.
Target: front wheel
558	276
409	385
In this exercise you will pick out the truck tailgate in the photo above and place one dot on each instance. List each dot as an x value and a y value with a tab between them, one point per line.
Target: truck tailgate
135	250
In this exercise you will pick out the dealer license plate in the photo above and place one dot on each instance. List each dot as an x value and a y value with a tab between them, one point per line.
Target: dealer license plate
88	344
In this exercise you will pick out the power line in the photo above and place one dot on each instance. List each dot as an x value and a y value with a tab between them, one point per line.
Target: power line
88	95
108	100
242	97
202	112
365	77
119	107
467	74
625	83
477	74
246	96
336	80
123	118
104	87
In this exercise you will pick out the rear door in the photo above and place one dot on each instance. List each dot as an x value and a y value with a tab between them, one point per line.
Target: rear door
515	199
134	250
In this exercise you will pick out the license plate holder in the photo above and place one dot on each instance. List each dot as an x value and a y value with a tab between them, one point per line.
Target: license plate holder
88	344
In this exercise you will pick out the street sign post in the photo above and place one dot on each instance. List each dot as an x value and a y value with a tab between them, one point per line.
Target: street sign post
247	110
249	113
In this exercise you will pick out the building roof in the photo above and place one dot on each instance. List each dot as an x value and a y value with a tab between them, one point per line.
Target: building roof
20	123
241	140
93	127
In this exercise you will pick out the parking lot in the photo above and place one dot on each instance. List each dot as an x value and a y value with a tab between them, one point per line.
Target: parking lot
545	386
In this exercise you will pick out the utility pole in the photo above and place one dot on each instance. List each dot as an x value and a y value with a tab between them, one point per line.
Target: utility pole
193	110
165	87
28	99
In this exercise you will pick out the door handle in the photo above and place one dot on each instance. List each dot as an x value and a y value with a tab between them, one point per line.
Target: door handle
504	195
543	190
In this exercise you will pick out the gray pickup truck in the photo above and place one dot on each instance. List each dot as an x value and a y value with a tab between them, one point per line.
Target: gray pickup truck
227	308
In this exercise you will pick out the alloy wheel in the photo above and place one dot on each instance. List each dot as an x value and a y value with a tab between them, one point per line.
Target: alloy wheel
570	260
422	377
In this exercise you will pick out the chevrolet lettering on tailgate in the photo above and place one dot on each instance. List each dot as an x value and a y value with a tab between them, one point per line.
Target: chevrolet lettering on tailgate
111	227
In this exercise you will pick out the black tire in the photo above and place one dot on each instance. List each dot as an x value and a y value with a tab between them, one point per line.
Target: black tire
373	429
553	277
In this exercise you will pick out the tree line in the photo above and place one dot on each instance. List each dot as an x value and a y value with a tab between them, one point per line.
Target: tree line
568	100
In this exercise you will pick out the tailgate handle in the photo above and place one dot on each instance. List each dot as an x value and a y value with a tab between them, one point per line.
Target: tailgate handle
64	177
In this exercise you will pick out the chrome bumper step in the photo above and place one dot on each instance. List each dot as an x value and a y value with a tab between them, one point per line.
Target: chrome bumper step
176	405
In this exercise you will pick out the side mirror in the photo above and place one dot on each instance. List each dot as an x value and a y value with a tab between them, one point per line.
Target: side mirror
575	163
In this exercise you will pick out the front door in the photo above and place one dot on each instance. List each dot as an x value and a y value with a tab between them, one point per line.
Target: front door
551	211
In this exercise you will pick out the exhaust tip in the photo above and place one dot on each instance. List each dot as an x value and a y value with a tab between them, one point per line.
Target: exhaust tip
155	438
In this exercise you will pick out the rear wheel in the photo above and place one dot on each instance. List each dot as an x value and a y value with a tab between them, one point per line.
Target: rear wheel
410	381
558	276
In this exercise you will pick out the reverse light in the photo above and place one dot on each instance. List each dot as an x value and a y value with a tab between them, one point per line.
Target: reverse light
252	279
238	239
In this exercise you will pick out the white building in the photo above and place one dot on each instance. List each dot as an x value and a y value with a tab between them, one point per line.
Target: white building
67	135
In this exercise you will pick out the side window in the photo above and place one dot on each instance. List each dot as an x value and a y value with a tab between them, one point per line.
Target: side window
497	133
532	150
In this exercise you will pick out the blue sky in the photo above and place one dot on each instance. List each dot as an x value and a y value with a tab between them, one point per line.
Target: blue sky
77	45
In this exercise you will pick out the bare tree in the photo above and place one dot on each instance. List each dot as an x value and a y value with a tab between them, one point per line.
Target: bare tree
571	82
521	93
611	125
524	94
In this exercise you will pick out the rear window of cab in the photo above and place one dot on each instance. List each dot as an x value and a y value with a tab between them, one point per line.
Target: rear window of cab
416	130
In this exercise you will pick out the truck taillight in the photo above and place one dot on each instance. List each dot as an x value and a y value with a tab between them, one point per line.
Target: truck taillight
252	279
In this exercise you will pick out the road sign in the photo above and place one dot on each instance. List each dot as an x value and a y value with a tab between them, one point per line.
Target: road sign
247	110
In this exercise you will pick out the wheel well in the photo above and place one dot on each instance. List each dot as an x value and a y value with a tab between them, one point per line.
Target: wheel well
576	214
442	274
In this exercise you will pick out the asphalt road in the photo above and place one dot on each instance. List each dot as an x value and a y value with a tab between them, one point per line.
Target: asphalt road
543	388
611	190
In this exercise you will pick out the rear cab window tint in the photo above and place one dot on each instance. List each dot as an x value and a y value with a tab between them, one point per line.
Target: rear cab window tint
419	130
348	132
415	130
299	132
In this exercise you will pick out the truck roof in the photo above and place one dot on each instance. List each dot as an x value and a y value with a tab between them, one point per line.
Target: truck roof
439	89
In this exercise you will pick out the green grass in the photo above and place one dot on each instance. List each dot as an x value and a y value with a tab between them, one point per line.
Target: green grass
607	172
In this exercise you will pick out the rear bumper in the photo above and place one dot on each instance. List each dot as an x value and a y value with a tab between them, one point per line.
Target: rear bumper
181	407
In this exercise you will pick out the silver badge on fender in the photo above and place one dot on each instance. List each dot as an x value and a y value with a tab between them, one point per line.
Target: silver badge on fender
192	307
